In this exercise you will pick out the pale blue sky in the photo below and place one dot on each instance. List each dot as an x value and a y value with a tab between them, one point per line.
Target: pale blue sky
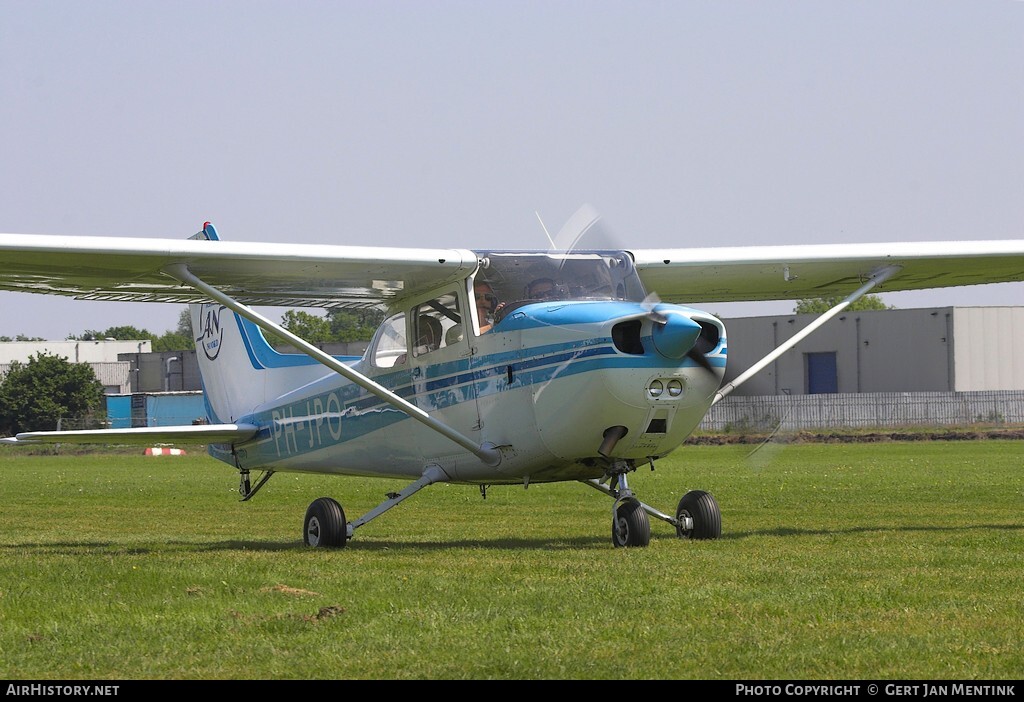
431	123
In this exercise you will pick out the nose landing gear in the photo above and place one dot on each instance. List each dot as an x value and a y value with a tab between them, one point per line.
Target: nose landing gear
697	515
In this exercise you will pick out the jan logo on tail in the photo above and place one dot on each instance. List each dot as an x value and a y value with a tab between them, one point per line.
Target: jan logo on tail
491	367
211	336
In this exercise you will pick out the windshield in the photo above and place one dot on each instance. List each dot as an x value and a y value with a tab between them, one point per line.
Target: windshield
599	275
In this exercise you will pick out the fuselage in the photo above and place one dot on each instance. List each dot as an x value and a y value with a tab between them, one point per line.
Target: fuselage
544	385
595	371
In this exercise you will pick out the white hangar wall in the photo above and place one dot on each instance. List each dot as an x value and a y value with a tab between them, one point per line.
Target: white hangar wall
989	348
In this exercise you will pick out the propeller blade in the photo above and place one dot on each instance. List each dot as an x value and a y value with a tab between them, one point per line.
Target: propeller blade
650	304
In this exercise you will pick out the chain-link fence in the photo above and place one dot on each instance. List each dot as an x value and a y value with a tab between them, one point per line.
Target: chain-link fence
853	410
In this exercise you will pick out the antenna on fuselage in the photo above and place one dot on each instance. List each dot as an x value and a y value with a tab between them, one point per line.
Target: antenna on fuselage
552	241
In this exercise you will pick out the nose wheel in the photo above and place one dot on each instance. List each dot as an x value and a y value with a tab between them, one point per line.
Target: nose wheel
630	526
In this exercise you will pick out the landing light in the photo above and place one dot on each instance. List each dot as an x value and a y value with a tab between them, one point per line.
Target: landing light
656	388
675	387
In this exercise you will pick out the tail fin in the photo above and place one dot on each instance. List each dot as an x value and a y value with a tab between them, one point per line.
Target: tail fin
240	371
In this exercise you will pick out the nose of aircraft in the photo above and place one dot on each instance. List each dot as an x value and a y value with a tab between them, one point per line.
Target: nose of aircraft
677	335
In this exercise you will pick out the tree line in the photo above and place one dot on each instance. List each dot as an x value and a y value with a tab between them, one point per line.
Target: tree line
338	326
39	394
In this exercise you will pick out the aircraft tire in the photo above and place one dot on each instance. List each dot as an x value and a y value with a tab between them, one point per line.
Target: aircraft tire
703	509
325	525
630	528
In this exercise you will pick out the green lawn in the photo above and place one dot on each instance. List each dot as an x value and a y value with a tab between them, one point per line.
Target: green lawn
855	561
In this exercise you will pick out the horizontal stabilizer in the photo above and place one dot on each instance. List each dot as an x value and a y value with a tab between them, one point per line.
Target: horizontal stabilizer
191	433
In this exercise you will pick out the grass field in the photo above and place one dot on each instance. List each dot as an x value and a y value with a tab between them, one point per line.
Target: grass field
856	561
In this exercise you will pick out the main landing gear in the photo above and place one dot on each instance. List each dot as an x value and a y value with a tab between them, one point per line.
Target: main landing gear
325	525
697	515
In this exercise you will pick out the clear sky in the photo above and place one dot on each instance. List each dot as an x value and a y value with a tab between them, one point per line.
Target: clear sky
454	123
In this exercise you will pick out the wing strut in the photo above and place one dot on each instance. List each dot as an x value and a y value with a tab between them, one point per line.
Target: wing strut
879	276
486	452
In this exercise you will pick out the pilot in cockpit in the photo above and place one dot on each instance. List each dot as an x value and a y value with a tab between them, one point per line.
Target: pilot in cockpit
486	304
541	289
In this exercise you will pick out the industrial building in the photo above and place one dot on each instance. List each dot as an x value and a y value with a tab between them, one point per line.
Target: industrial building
941	349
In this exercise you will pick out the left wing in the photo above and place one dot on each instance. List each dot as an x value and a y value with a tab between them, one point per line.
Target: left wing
738	274
285	275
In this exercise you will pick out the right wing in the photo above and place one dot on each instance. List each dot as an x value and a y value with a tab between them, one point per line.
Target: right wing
279	274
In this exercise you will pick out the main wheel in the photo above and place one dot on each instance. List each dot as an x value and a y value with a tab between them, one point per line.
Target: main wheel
325	525
702	508
630	526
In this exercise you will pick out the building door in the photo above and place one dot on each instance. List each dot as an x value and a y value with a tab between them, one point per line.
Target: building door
822	376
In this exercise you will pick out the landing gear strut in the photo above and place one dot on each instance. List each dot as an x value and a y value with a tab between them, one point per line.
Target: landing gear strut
326	527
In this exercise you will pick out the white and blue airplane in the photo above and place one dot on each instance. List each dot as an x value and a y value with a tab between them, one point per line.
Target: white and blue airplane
492	367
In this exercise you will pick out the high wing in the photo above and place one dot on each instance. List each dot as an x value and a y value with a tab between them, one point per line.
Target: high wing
738	274
284	275
309	275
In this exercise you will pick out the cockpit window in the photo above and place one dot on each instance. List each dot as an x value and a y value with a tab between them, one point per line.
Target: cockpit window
518	277
388	347
438	324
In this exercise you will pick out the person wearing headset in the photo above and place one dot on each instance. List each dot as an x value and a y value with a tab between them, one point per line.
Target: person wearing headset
486	304
541	289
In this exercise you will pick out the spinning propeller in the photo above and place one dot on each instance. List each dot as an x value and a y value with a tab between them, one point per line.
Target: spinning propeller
586	231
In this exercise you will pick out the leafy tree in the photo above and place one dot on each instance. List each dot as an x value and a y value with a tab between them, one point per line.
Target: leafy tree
123	333
338	326
36	394
354	325
22	337
173	341
181	339
818	305
306	326
185	323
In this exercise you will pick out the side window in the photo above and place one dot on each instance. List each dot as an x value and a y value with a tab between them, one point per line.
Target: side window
390	343
438	324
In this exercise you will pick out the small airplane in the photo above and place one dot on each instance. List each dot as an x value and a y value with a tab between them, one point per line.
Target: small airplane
491	367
